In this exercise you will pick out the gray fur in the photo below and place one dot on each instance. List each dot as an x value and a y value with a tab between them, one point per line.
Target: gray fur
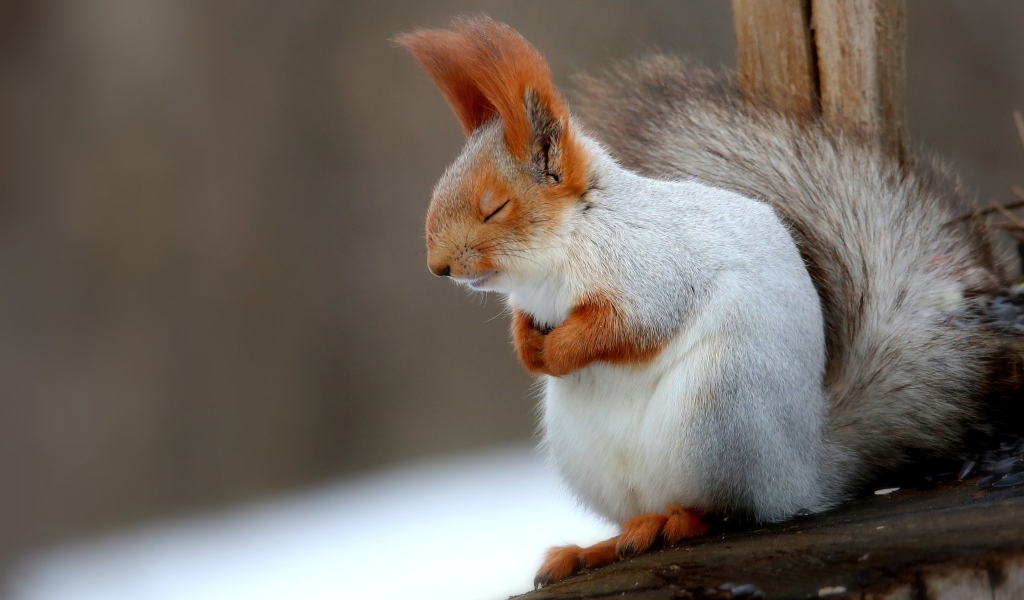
907	371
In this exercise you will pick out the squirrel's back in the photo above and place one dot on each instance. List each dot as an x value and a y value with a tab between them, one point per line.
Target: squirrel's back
901	278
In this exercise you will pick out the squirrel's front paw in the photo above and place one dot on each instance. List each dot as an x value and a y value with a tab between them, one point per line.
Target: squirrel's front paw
564	353
530	342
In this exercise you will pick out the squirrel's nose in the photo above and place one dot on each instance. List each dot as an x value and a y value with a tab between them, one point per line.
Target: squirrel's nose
441	270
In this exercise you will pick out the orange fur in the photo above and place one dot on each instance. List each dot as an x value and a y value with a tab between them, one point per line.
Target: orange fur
562	562
529	342
486	180
639	534
559	563
596	330
485	69
600	554
456	235
682	523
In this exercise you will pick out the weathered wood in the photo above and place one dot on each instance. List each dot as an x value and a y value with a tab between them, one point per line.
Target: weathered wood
842	59
776	53
861	56
955	541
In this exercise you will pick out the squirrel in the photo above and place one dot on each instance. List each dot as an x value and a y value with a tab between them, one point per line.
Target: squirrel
733	311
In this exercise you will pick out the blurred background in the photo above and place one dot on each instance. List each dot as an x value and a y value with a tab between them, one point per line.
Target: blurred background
214	286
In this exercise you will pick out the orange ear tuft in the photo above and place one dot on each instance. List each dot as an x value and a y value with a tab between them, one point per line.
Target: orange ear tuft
485	68
442	53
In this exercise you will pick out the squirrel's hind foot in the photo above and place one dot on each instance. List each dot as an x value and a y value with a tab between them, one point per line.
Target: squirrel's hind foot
640	534
563	562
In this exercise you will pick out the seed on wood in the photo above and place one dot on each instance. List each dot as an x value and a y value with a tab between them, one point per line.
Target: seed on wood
986	482
1002	467
747	589
1010	480
966	469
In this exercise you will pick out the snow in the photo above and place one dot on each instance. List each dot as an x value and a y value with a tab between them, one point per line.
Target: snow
473	527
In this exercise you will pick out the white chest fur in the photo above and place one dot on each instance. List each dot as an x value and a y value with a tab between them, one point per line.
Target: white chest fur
620	435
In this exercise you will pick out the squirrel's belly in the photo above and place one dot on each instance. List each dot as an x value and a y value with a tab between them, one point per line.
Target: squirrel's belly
621	436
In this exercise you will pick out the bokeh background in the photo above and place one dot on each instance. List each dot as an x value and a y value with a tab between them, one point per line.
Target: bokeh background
212	277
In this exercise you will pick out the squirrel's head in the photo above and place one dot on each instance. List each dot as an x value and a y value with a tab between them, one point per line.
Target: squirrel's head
496	214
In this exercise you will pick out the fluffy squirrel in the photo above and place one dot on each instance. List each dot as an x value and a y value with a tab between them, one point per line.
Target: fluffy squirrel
733	311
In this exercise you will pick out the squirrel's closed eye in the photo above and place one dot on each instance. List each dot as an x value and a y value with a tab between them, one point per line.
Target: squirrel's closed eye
497	210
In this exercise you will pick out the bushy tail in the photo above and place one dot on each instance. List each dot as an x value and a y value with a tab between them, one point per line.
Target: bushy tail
903	281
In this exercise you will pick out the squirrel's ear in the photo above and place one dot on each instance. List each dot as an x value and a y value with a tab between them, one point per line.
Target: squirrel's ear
554	153
442	54
486	69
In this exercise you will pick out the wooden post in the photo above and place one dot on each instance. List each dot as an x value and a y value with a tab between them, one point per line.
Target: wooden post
776	53
844	58
861	67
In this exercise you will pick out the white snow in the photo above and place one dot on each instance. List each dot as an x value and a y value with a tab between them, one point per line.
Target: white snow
474	528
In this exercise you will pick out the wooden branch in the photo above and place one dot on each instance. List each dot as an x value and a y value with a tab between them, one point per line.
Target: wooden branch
1020	125
861	56
1006	213
776	54
981	212
955	541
